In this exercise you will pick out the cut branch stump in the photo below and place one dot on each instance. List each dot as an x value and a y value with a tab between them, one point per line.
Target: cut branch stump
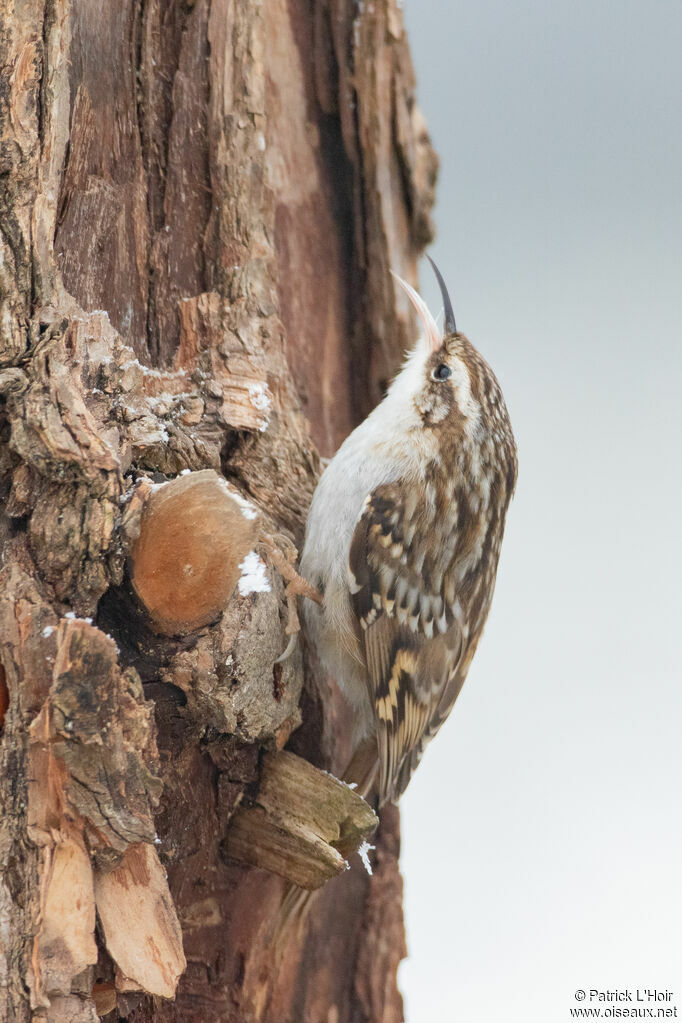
194	533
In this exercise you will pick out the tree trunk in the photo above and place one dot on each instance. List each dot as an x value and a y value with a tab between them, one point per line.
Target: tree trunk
201	202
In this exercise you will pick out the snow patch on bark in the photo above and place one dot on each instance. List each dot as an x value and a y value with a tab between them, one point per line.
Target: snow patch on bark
261	400
248	510
254	577
363	853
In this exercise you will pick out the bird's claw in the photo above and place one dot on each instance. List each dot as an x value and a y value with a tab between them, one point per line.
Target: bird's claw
297	586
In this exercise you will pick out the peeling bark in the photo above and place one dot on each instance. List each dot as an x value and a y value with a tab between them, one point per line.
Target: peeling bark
200	204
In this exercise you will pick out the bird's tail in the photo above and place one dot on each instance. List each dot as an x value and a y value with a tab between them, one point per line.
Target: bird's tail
361	774
363	769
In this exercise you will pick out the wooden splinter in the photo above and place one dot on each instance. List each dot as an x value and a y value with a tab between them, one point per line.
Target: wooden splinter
4	697
303	824
195	532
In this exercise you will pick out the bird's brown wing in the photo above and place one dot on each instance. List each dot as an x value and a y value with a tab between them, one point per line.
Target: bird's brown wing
410	633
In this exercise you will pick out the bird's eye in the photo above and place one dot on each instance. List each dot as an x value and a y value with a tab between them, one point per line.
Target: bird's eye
442	372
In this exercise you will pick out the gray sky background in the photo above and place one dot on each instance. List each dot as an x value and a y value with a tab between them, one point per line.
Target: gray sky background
542	834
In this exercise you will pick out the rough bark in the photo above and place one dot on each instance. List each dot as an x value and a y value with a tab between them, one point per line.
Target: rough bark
200	204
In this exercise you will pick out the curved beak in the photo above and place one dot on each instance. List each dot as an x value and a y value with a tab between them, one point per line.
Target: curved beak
432	333
450	325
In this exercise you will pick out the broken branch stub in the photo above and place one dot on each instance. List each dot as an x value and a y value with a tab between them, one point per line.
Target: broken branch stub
195	531
302	825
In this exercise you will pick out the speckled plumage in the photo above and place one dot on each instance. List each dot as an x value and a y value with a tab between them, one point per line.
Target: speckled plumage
403	540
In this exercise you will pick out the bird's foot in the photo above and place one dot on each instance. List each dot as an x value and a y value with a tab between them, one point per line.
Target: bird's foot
297	586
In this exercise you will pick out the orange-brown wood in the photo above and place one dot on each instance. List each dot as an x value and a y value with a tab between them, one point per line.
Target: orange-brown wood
184	566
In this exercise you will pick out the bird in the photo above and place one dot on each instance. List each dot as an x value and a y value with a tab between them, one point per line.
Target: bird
402	542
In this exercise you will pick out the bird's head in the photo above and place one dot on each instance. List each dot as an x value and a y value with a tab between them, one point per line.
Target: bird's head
448	382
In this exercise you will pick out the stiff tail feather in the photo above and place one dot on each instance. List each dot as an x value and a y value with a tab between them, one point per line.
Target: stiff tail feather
361	774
